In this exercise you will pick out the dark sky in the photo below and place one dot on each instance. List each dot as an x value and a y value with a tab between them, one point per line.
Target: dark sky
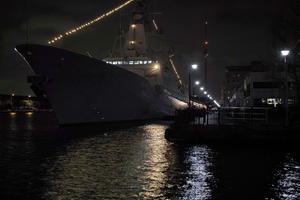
239	32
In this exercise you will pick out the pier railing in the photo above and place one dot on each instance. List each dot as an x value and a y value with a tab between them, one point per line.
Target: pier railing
225	116
243	115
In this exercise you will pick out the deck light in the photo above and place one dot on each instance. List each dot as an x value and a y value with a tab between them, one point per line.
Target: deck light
156	66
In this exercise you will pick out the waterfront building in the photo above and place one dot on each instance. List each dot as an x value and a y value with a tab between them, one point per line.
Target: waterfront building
235	76
263	89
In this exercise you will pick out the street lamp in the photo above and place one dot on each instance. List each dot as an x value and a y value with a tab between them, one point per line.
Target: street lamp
202	88
194	67
197	82
284	54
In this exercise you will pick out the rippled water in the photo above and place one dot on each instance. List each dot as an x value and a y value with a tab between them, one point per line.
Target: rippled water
42	161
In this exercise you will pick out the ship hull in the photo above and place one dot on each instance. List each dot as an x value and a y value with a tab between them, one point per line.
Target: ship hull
86	90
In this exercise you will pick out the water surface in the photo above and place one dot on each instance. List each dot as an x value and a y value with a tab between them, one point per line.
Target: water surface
40	160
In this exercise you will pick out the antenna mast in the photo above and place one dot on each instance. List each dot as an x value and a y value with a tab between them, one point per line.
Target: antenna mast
205	51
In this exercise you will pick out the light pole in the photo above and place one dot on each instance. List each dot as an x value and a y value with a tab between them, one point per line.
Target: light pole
11	100
205	51
284	54
194	67
29	104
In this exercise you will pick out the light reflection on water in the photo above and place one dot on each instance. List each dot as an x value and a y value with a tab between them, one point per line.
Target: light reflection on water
288	175
117	164
198	174
155	162
41	161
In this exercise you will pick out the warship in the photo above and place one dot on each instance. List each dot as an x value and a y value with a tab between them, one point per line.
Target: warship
137	81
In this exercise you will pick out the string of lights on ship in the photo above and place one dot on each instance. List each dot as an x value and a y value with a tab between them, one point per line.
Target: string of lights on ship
89	23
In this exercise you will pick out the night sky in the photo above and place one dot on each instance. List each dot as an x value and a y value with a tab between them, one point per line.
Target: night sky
239	32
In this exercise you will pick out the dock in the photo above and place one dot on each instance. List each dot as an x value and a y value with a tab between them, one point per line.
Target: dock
231	126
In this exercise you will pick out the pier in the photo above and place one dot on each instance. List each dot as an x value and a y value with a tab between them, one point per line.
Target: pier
233	125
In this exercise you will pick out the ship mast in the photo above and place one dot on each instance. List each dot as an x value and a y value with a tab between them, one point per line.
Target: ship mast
135	43
205	52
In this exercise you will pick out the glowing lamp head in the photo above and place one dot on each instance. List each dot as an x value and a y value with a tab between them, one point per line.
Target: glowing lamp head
133	26
285	52
194	66
205	92
12	113
202	88
197	82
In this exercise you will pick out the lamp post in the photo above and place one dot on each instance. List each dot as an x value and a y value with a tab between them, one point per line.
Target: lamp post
29	104
284	54
11	100
194	67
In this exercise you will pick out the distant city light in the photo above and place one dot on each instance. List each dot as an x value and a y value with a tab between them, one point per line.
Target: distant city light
202	88
285	52
205	92
12	113
197	82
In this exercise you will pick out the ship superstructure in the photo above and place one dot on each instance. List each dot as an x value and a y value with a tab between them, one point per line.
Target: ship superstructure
143	51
